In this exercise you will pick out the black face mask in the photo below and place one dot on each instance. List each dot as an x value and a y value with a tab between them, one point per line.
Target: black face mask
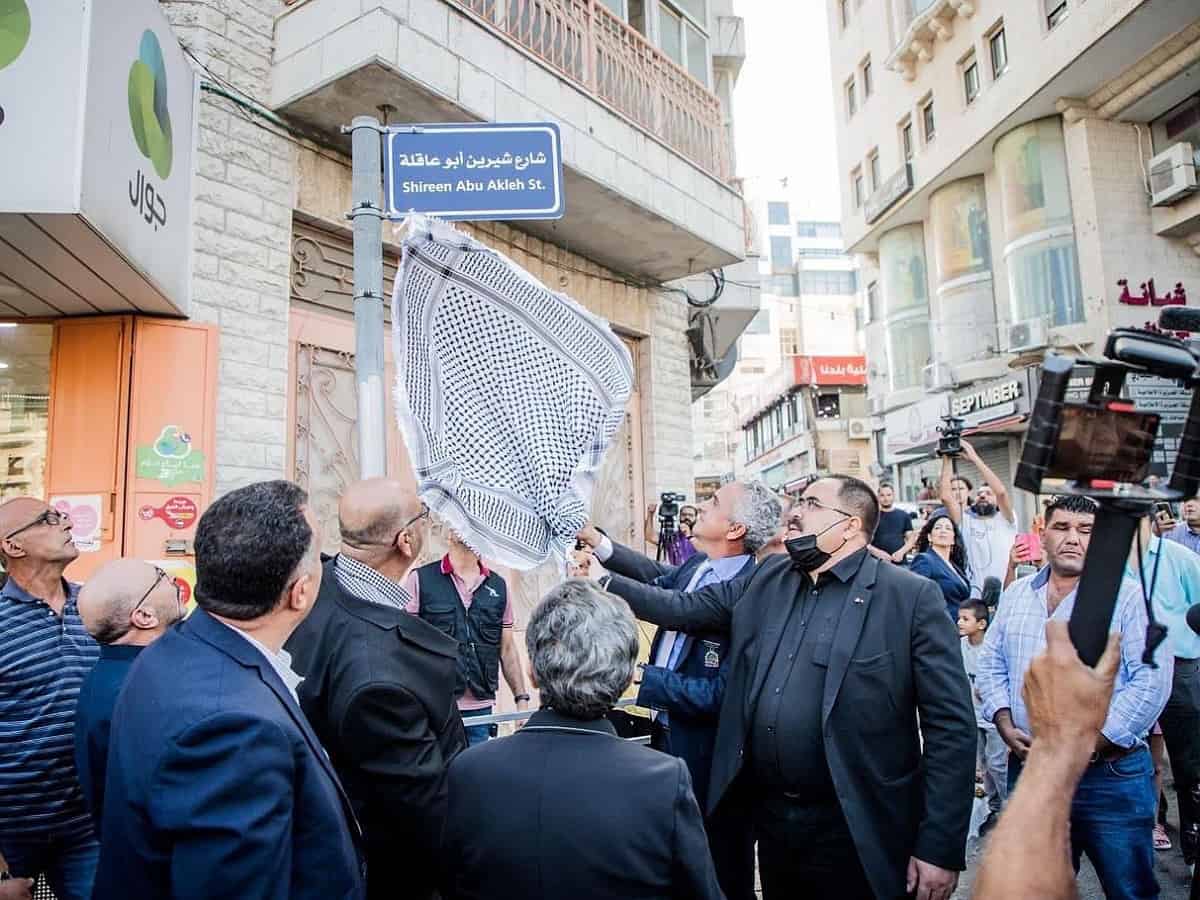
984	509
804	552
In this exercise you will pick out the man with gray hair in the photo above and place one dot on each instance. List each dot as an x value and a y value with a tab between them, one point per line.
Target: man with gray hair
686	679
563	807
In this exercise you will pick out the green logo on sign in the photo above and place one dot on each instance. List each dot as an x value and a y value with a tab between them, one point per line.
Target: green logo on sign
148	114
172	459
14	30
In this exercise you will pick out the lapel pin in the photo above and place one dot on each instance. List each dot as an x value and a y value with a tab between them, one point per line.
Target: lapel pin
858	600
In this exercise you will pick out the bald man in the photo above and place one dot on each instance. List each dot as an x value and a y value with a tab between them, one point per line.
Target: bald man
126	606
45	652
379	688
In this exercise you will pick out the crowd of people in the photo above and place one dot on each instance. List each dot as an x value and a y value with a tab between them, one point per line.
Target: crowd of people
830	682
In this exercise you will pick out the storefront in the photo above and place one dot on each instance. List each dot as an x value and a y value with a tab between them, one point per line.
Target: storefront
107	394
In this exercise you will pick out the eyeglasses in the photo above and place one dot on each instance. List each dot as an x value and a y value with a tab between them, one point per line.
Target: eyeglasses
812	503
51	517
159	576
418	517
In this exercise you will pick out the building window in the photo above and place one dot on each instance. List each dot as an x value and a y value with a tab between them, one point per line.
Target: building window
789	341
868	86
835	282
905	310
906	139
844	12
872	302
683	35
1056	11
998	47
777	213
873	165
781	254
927	121
970	77
856	179
829	406
851	105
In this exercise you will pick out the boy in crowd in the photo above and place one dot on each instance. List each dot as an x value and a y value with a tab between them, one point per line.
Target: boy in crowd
991	758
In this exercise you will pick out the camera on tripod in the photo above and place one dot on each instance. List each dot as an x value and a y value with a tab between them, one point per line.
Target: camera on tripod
950	442
668	505
1102	449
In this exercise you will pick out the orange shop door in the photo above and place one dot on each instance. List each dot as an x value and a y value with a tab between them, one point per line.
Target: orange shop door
132	422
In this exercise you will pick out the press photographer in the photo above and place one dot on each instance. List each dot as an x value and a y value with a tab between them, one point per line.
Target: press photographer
987	522
674	543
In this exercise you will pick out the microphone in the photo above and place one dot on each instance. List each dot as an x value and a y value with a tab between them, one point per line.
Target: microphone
1179	318
990	593
1193	618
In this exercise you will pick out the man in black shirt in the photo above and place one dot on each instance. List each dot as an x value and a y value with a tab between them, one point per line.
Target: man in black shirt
835	656
895	525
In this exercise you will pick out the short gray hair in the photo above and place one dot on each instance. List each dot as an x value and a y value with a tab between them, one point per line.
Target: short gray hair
759	510
583	644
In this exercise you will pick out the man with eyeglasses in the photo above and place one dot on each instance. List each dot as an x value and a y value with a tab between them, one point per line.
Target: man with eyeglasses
126	606
379	687
836	656
45	653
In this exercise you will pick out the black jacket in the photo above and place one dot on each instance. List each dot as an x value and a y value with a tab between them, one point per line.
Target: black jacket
895	657
566	810
379	691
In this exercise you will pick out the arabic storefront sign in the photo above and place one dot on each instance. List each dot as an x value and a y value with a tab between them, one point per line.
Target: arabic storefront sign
1164	396
178	512
475	171
885	196
821	370
992	401
913	428
171	459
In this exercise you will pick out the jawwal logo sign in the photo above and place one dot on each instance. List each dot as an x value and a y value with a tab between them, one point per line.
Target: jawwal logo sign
14	30
148	115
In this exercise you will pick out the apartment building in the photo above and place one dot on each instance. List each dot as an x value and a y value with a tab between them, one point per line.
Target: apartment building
1006	167
180	323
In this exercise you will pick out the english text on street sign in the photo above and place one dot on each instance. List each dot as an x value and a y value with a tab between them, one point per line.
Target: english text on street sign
486	170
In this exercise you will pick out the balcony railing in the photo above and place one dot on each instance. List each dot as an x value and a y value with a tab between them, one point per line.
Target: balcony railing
587	43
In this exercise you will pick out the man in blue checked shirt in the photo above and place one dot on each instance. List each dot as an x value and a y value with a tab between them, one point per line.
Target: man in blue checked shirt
1112	814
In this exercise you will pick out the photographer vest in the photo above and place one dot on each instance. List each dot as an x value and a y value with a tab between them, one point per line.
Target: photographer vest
477	628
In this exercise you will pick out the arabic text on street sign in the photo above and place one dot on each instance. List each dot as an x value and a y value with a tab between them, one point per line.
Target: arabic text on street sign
474	171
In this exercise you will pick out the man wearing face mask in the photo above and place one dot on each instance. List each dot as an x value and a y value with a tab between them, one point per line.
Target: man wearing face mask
988	526
835	655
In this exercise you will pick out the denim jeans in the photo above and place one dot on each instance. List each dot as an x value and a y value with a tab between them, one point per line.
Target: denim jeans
477	734
1112	817
69	864
991	758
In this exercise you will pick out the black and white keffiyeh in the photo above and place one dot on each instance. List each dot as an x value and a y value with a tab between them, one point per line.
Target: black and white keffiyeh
507	395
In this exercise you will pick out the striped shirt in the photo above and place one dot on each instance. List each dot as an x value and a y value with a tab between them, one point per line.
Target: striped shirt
43	661
1019	634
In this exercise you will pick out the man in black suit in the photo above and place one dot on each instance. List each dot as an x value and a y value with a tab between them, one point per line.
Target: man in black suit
564	808
835	656
379	688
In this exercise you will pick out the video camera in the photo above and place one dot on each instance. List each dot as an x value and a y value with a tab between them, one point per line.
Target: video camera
668	506
1102	449
950	442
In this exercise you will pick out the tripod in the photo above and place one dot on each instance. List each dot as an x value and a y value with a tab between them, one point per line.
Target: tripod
666	534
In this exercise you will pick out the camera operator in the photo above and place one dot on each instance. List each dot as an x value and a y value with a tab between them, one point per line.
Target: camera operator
679	547
988	525
1112	817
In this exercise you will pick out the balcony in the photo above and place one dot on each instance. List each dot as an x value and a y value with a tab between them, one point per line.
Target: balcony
644	143
929	21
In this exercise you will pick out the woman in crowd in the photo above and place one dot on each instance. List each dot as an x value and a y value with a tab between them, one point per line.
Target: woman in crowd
942	557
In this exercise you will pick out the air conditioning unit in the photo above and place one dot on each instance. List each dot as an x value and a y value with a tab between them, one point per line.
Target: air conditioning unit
1028	334
1172	174
937	375
859	429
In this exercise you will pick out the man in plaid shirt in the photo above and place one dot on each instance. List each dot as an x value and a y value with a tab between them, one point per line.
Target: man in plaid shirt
1112	815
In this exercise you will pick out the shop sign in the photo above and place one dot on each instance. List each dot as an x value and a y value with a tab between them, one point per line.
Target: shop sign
888	193
171	459
178	512
84	510
1164	396
822	370
913	428
995	400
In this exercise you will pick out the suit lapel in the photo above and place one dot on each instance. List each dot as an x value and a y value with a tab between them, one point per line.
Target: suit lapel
222	637
850	626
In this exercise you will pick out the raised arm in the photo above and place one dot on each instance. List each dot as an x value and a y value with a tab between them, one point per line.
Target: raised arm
621	559
947	492
708	609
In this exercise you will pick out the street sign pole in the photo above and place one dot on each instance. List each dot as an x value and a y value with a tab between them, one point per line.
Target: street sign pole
367	215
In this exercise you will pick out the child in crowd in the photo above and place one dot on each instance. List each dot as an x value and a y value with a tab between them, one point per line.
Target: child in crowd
991	758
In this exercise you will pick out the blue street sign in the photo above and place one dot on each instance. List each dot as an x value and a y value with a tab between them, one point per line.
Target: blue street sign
474	171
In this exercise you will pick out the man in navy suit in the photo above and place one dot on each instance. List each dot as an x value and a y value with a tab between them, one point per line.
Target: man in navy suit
126	606
217	786
686	678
